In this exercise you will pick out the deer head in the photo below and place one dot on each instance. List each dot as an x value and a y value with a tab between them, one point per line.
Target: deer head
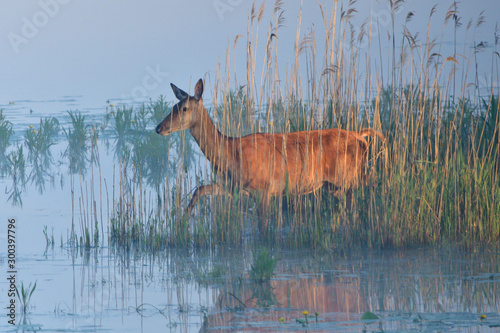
186	113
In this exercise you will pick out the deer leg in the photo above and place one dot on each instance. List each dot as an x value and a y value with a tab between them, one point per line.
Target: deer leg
263	212
370	181
348	199
332	189
338	192
264	205
213	189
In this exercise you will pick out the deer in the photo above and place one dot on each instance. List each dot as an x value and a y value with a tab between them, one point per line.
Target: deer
269	164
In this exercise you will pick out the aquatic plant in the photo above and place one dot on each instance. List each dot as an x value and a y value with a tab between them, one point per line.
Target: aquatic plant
304	322
369	316
48	240
40	156
39	141
122	117
78	145
306	314
5	135
263	266
24	295
16	164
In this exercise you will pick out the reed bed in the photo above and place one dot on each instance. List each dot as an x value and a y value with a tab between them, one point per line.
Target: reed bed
435	180
437	177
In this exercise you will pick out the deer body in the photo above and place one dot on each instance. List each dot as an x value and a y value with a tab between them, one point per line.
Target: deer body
269	163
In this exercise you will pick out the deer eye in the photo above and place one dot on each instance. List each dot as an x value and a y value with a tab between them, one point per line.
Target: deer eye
184	109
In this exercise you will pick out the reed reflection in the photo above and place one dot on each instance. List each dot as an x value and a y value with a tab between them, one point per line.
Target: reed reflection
417	289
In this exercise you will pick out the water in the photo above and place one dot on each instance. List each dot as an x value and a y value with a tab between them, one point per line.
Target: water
176	290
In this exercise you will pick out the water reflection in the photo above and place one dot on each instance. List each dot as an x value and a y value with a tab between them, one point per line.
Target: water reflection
211	291
16	167
38	142
180	290
429	290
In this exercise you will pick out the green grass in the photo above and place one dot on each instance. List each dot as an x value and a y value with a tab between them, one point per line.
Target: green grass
16	168
49	240
263	266
437	180
77	136
38	141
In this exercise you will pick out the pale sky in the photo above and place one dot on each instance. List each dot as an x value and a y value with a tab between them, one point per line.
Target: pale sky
114	48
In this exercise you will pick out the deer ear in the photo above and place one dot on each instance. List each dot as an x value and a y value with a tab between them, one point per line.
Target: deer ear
198	90
179	93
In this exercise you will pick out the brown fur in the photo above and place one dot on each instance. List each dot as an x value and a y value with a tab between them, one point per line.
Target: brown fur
264	163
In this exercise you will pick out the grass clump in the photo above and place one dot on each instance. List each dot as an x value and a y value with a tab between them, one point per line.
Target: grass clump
25	295
49	240
5	136
39	142
16	162
263	266
369	316
77	136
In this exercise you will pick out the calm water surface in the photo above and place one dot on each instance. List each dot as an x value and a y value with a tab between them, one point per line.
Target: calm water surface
101	290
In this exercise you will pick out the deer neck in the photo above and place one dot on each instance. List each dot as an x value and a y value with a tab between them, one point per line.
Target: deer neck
212	142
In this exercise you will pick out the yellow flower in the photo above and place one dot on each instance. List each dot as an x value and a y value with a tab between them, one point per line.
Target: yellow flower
282	320
483	316
35	131
111	105
305	313
31	126
133	120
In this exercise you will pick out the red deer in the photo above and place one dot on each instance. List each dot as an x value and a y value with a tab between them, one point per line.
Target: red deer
269	164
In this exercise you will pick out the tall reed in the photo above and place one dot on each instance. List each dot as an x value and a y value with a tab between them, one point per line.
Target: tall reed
438	177
435	180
